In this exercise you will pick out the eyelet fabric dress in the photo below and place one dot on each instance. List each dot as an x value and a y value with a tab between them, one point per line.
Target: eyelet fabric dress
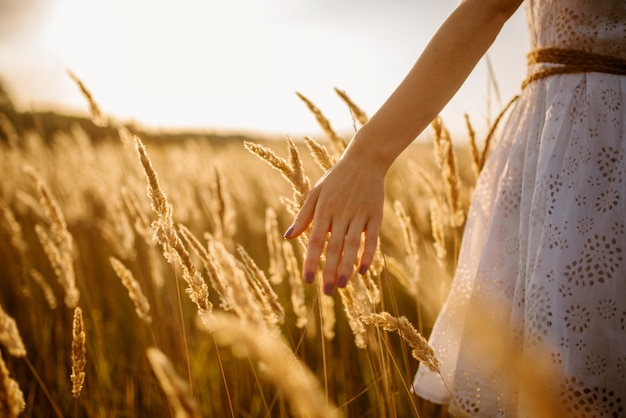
536	316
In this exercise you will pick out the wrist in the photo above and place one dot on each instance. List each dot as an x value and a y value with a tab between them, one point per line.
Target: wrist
373	149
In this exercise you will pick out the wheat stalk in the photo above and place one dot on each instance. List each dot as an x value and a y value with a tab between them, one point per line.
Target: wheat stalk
118	232
11	397
60	265
412	258
276	267
58	225
422	351
59	247
223	212
140	220
281	367
9	131
219	285
48	294
295	282
446	161
165	234
176	389
10	336
328	318
356	111
265	295
492	131
320	154
79	353
336	140
96	114
142	306
239	291
476	154
144	229
352	307
292	169
438	231
27	203
13	228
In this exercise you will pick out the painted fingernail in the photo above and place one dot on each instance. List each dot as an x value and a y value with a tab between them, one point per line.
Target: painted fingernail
288	232
328	289
363	269
309	276
342	281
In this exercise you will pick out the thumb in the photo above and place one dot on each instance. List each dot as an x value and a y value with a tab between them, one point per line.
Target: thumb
303	217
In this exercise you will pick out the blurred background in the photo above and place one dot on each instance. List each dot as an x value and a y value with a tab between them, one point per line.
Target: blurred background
235	65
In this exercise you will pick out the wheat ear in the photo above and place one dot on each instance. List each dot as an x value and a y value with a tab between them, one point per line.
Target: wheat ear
281	366
59	245
79	353
48	293
336	140
412	258
492	131
357	112
223	211
274	245
446	161
10	337
264	292
11	397
422	351
142	306
176	389
320	154
476	154
292	170
298	301
13	228
165	233
96	114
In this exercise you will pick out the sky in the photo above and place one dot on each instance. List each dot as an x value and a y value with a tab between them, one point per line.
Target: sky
235	65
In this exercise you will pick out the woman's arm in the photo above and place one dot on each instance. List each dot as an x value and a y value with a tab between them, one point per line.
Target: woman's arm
347	201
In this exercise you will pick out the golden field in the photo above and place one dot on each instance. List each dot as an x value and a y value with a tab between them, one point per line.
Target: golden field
148	276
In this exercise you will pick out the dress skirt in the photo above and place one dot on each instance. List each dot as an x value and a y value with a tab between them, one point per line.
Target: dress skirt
536	315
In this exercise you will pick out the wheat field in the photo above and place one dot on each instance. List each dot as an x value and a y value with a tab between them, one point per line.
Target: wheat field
148	277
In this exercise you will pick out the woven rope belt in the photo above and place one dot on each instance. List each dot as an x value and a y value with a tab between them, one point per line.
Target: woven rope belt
572	61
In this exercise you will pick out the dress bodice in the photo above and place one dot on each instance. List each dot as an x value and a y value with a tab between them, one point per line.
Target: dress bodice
597	26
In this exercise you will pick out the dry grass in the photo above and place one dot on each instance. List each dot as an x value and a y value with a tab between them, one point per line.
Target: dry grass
259	342
79	353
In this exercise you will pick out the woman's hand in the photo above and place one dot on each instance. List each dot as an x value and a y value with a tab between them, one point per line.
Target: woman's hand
344	204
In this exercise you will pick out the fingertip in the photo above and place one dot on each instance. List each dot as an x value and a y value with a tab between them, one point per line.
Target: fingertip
342	281
363	269
328	289
288	232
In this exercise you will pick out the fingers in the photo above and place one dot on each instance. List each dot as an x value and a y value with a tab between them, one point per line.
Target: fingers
342	242
334	252
340	216
351	245
315	246
341	251
369	247
304	216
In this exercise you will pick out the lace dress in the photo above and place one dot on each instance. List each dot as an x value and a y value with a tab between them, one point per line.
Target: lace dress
536	317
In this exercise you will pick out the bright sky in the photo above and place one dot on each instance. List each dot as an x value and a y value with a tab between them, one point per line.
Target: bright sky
236	64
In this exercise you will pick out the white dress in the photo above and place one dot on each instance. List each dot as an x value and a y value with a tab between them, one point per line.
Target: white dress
544	246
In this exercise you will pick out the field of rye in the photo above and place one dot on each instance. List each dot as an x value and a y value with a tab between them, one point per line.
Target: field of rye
145	277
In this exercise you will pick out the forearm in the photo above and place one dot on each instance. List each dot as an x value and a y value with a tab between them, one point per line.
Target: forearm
437	75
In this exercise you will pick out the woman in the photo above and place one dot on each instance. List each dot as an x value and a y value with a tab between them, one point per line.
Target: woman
543	247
